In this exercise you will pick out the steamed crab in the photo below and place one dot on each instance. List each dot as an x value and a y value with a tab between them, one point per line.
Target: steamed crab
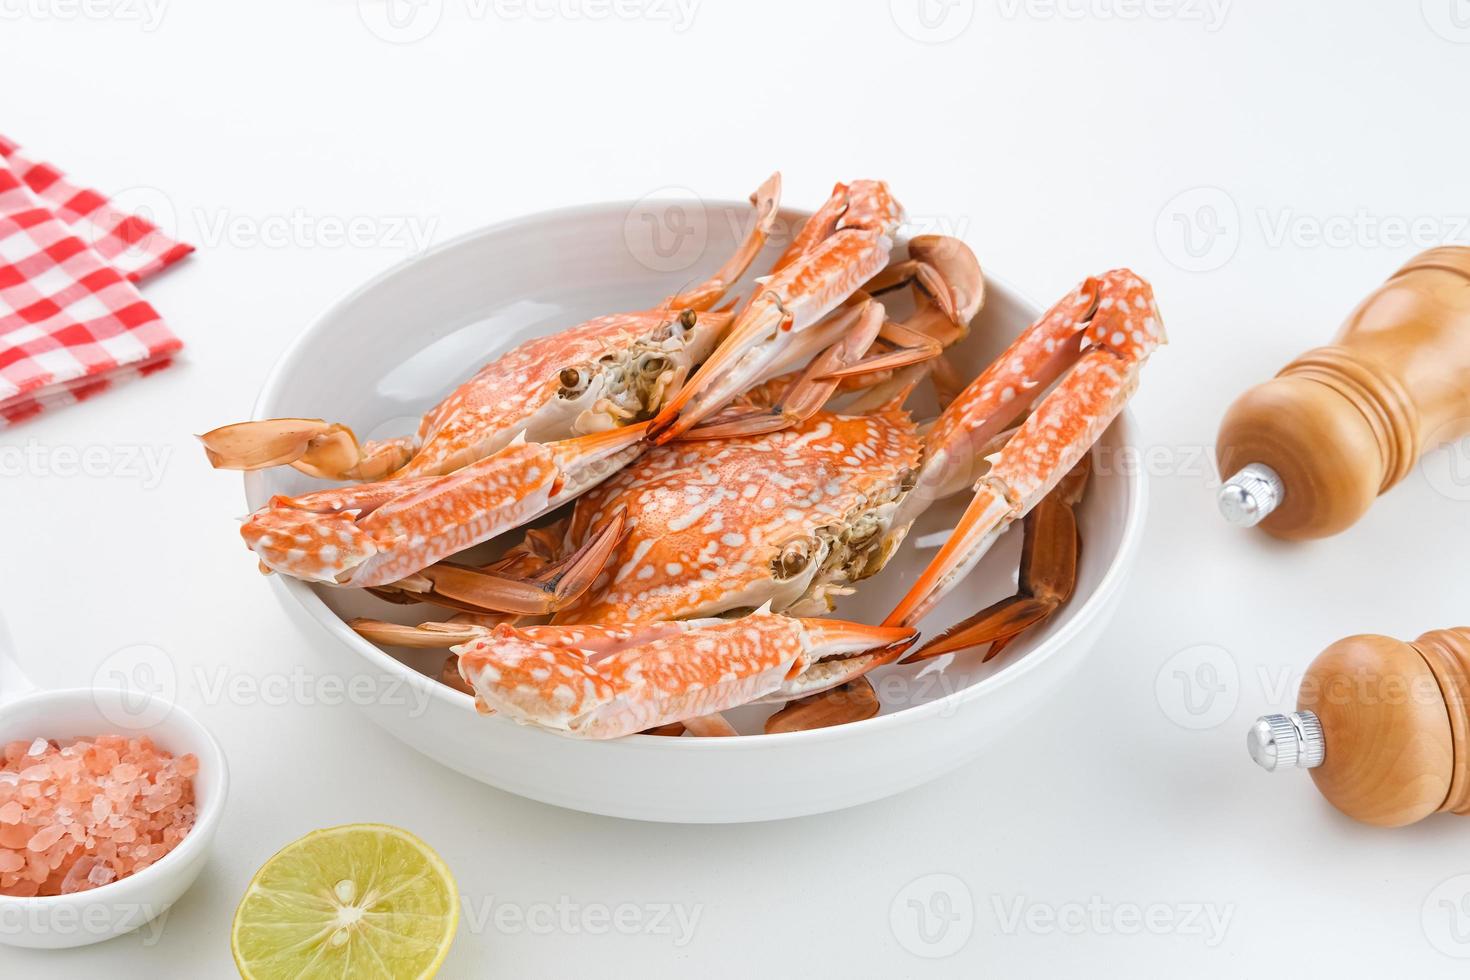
771	519
556	416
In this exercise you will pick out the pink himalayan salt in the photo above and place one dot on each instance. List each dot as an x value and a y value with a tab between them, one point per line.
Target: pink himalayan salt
81	814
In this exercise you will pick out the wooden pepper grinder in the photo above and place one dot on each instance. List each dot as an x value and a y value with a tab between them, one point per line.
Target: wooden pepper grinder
1383	725
1309	450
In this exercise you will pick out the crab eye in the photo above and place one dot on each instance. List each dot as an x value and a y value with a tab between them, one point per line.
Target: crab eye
907	480
687	319
572	382
792	560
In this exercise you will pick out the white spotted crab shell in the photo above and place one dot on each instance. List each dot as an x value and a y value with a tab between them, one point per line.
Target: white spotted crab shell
790	518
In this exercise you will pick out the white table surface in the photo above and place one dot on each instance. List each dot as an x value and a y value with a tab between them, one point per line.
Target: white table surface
1109	836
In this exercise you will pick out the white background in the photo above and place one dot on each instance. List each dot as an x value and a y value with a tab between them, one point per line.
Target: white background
1056	139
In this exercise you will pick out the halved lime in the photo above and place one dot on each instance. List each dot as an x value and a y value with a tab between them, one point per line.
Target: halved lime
362	900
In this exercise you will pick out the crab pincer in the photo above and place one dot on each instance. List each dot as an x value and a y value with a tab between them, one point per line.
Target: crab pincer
846	243
1091	345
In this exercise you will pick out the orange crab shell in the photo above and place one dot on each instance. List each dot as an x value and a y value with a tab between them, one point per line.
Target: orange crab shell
709	519
504	394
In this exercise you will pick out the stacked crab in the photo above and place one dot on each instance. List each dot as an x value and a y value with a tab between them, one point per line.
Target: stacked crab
719	475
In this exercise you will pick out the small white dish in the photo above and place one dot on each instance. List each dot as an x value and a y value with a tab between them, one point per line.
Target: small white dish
83	918
387	352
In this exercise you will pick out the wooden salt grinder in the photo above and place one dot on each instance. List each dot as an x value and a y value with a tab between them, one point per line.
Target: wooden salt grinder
1383	725
1309	450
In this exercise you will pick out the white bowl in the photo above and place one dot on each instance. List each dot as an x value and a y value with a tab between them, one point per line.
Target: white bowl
63	921
388	351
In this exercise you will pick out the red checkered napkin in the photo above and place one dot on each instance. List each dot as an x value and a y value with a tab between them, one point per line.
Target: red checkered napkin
72	322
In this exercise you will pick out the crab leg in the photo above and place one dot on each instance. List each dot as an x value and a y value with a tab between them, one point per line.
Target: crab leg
806	394
710	666
765	199
489	588
849	242
331	451
948	291
1115	321
1048	576
380	533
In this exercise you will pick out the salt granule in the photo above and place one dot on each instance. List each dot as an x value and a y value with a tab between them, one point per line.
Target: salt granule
82	814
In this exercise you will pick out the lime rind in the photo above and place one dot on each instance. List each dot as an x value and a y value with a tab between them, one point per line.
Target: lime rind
360	900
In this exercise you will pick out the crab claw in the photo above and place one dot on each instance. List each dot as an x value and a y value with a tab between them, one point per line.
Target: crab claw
1048	576
313	446
773	334
1095	339
944	270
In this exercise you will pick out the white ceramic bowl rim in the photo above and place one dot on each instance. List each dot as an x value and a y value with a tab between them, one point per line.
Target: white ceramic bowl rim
1111	580
205	819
